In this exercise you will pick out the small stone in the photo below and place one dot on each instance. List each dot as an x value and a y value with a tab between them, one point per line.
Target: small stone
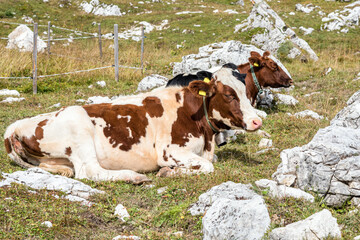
162	190
265	143
101	83
47	224
178	234
121	212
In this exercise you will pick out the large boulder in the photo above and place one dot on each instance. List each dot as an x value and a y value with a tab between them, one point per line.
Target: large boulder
272	30
330	163
321	225
344	19
22	38
232	211
217	54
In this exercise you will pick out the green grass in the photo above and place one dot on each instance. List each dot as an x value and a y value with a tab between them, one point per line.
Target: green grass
153	215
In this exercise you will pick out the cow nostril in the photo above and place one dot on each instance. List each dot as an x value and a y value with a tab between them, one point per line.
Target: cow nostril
257	123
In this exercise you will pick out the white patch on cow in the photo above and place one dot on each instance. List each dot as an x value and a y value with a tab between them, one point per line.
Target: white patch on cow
225	76
128	117
130	133
217	115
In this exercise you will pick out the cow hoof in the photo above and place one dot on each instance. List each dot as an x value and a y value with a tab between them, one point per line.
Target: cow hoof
166	172
140	180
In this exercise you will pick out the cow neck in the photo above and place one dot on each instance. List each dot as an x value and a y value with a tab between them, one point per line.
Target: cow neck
207	117
260	90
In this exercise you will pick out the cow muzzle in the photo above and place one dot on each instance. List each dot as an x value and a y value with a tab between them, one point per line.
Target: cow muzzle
254	125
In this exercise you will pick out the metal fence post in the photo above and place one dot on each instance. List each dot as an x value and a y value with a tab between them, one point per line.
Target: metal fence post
142	49
116	52
100	46
35	59
48	41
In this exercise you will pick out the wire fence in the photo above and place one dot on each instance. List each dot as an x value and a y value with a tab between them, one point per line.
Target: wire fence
98	35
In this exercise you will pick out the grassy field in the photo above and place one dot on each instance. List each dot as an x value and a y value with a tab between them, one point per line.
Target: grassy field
153	215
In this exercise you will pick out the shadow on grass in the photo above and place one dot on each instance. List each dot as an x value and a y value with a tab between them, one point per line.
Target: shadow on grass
226	154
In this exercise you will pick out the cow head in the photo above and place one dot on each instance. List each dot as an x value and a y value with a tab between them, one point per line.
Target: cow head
223	104
250	118
269	72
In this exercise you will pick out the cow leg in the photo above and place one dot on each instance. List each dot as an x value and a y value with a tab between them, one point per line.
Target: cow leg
209	155
87	166
187	162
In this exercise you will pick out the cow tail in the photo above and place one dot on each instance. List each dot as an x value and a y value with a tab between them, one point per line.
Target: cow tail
15	150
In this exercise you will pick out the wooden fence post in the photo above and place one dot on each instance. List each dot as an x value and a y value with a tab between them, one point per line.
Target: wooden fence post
48	41
116	52
35	59
100	45
142	50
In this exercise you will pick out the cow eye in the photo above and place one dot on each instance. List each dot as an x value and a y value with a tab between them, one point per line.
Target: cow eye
230	97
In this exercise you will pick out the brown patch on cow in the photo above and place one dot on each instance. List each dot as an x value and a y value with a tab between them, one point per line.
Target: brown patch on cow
62	109
153	106
191	122
68	151
118	124
93	122
164	156
31	145
39	131
195	167
178	97
154	145
8	145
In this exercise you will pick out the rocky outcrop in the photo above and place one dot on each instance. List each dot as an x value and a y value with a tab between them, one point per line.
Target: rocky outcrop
273	32
217	54
321	225
343	20
232	211
330	163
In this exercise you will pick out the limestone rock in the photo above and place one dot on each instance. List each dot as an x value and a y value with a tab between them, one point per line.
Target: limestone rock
330	163
101	9
150	82
275	31
227	190
22	38
121	212
217	54
12	99
308	114
308	8
39	179
7	92
98	99
306	31
282	191
233	211
344	19
286	99
265	143
321	225
130	237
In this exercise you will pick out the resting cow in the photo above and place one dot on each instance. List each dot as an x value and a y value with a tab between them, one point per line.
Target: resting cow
135	134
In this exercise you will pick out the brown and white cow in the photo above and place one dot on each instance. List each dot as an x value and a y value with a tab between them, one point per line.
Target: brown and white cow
133	134
268	74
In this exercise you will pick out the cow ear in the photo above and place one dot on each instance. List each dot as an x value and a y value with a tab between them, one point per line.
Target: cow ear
200	88
255	61
266	54
255	54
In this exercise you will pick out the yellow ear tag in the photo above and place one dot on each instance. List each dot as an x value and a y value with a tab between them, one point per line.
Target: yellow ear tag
202	93
206	80
256	65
